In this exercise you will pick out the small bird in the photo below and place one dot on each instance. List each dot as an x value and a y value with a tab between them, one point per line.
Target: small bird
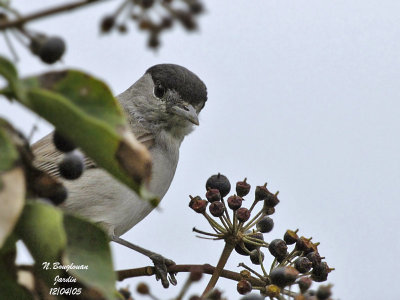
161	108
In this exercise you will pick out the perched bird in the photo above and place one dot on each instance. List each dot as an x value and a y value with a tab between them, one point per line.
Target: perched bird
161	107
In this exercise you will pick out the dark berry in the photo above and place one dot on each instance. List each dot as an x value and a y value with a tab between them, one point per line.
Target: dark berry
303	264
49	49
265	225
198	205
122	28
58	195
315	258
143	289
217	209
244	287
153	41
320	272
261	192
254	256
186	19
234	202
71	167
291	237
258	236
215	294
324	292
268	210
107	23
278	248
304	283
280	259
126	294
62	143
271	200
219	182
213	195
166	22
146	3
242	188
239	249
243	214
283	276
196	273
305	245
196	8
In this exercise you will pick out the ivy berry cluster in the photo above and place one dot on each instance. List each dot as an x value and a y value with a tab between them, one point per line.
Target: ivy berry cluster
243	230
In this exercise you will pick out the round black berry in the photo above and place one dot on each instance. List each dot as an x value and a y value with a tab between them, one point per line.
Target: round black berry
324	292
303	264
320	272
51	50
71	167
143	289
278	248
198	205
242	188
213	195
107	23
255	256
243	214
219	182
146	3
217	209
265	225
304	283
239	249
244	287
315	258
196	8
271	200
283	276
258	236
234	202
261	192
291	236
58	195
62	143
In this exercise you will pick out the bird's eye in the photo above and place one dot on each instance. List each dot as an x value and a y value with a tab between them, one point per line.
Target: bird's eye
159	91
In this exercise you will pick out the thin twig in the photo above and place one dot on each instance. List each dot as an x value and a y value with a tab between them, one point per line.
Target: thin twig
207	269
45	13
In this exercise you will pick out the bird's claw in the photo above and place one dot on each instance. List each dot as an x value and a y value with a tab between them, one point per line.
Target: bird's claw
161	265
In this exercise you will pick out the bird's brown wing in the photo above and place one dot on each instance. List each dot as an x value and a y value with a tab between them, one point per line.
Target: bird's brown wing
47	156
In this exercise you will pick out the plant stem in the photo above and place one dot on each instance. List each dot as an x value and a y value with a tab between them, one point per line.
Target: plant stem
229	246
44	13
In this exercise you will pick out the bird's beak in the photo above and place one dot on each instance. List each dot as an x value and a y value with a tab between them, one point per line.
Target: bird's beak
186	111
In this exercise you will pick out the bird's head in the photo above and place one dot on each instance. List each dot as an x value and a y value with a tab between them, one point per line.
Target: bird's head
167	97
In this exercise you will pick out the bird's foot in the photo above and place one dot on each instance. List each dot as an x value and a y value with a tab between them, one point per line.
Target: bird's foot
161	265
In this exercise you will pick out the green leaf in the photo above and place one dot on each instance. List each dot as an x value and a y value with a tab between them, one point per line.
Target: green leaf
9	153
9	72
83	109
12	182
88	244
41	229
9	287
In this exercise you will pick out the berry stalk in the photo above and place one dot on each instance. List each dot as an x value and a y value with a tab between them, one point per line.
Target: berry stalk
229	246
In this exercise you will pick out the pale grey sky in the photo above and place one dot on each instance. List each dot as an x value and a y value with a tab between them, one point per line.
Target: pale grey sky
302	94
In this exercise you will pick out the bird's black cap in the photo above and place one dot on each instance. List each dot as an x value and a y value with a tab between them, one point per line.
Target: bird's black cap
186	83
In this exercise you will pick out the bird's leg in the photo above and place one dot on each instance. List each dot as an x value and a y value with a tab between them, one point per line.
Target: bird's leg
160	263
